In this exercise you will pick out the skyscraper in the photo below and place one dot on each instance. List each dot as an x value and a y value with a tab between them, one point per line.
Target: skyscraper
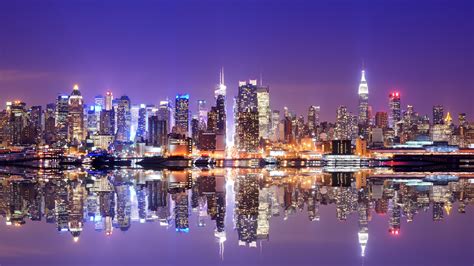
313	119
123	119
76	116
264	112
181	115
247	96
381	119
141	125
438	115
395	114
343	125
108	100
165	113
62	111
221	114
157	131
248	130
17	121
363	106
202	114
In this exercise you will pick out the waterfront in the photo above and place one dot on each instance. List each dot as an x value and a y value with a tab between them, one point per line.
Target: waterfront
237	216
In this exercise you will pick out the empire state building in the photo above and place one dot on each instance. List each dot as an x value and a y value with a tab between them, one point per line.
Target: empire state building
363	106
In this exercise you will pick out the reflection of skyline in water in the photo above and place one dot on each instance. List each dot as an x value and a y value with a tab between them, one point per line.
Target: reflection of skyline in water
117	200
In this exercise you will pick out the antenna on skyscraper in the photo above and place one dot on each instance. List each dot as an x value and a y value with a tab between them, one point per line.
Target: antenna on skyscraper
261	79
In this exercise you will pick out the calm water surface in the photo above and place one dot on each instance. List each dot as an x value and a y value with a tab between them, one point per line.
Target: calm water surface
236	217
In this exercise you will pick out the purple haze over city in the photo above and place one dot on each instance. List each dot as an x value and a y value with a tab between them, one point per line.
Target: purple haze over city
308	52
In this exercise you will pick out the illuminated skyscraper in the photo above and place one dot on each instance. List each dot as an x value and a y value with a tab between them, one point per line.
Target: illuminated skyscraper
275	125
363	106
17	121
49	124
141	125
313	119
247	131
181	115
247	96
62	111
395	114
343	125
202	114
381	119
108	101
123	119
157	131
165	113
76	116
438	115
221	113
264	111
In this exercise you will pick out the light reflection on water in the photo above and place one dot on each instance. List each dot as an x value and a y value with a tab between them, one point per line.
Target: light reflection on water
234	211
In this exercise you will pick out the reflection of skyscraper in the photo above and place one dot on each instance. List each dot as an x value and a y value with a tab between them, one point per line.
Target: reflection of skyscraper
181	212
246	209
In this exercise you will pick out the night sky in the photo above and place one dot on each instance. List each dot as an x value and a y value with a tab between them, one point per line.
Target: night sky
308	52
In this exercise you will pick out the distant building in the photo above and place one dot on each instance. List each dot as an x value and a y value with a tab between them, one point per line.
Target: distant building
181	115
123	119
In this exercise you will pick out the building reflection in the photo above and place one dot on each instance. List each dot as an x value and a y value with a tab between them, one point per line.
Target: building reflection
117	199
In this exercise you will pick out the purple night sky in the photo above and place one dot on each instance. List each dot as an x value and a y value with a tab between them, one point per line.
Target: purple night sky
309	52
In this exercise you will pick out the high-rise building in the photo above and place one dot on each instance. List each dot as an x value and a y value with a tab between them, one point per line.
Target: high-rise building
157	131
123	119
76	116
248	131
363	106
36	118
438	115
202	114
264	111
49	124
108	100
17	121
381	119
313	119
275	125
107	122
195	128
247	96
62	111
181	115
141	125
165	113
395	114
343	125
221	113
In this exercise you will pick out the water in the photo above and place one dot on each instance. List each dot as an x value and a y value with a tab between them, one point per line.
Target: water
236	217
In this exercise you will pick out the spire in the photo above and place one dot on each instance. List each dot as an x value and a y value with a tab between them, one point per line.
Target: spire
363	88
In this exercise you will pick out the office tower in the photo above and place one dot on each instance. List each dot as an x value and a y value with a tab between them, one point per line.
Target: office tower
92	121
381	119
181	114
395	114
62	111
107	122
165	113
123	119
76	116
49	124
313	119
288	136
343	126
195	129
36	118
17	121
462	120
363	106
99	101
141	125
247	96
212	120
221	124
438	115
134	109
264	112
275	125
248	131
108	101
157	131
202	114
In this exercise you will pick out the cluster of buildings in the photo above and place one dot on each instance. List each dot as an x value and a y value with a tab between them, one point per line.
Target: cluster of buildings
114	201
171	128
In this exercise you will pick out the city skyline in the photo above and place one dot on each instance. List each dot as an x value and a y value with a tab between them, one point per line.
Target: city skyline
318	60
